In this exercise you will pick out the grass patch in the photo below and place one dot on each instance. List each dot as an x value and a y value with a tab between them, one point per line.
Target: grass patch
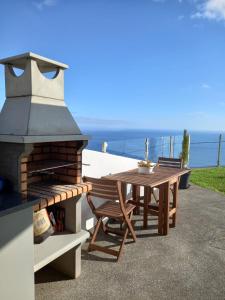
210	178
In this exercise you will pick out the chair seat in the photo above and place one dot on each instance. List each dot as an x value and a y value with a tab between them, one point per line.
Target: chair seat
113	210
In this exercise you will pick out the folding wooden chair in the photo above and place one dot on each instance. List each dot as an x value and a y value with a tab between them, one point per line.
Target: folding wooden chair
114	207
170	163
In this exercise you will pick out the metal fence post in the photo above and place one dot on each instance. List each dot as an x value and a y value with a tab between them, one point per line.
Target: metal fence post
146	149
174	140
162	145
189	147
219	150
104	147
171	146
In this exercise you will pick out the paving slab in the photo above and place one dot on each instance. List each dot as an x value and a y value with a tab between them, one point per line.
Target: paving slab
189	263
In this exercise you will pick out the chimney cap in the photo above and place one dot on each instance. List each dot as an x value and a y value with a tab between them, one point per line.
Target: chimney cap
45	64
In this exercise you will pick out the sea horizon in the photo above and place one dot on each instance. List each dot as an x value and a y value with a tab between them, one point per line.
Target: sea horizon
130	143
85	129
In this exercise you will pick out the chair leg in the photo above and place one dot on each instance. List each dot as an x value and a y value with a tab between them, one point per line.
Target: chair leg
117	253
122	243
127	220
97	227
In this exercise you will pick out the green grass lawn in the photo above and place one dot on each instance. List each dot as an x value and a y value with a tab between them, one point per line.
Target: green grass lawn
210	178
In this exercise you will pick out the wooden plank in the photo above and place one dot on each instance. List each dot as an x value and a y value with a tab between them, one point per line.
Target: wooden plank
160	175
100	181
103	191
103	195
168	159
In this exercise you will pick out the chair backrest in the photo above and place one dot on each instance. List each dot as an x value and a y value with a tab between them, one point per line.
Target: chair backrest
170	162
104	188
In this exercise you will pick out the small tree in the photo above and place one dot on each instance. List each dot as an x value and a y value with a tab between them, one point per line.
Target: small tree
185	148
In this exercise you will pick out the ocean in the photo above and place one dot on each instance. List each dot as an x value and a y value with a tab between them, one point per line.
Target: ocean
131	143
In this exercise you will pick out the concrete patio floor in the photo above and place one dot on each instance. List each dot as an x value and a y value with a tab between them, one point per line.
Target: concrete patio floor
189	263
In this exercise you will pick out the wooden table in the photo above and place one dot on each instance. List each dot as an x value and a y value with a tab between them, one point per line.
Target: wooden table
162	178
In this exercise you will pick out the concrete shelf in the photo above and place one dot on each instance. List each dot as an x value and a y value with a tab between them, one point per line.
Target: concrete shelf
55	246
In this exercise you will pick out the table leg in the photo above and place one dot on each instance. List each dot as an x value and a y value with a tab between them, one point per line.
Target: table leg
147	198
166	207
160	217
135	196
175	202
124	190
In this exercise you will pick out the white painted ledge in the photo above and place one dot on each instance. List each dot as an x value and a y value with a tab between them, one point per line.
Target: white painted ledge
56	245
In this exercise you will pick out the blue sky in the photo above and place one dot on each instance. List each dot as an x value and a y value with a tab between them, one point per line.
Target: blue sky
156	64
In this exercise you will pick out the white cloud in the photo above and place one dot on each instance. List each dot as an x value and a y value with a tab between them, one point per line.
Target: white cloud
205	86
210	9
45	3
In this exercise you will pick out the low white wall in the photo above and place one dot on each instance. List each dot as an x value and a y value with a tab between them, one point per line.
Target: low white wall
101	164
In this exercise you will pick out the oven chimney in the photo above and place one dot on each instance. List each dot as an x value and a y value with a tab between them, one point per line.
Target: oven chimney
35	110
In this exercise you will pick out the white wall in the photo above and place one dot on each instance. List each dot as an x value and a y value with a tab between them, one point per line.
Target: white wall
101	164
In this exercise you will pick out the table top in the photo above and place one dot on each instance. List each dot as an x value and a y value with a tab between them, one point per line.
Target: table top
160	176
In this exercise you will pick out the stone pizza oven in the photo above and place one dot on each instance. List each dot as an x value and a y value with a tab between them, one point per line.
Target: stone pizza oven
41	156
40	141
